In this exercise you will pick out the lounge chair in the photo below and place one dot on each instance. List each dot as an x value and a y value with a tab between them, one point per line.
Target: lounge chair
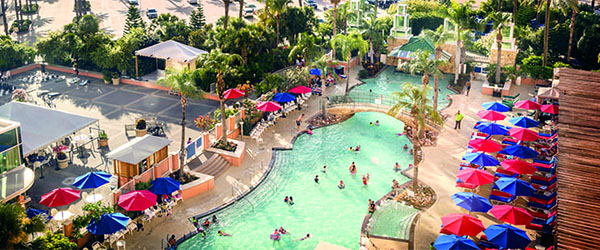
500	199
512	98
543	196
542	206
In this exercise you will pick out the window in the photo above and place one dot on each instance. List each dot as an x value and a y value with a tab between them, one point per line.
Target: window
10	159
8	139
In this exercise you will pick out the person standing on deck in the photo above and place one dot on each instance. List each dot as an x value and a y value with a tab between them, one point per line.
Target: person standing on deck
459	118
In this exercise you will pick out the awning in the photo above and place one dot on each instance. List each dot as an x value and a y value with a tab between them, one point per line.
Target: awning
548	93
171	50
138	149
42	126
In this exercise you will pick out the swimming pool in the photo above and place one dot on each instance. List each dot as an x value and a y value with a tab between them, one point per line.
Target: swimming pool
380	86
326	212
385	221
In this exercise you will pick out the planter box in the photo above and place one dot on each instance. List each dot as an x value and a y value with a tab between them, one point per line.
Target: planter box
234	158
62	164
115	81
103	142
140	132
531	81
201	185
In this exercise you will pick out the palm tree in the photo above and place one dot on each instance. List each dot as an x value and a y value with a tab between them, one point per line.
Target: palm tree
415	98
369	28
278	6
241	13
182	82
335	5
574	5
500	21
4	21
459	16
438	38
223	65
348	43
226	17
14	225
307	47
423	63
563	5
323	64
546	29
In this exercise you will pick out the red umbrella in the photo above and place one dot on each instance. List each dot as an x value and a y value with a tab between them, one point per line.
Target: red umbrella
300	90
518	166
137	200
475	176
233	93
512	215
523	134
268	106
60	197
461	224
484	145
550	108
527	104
491	115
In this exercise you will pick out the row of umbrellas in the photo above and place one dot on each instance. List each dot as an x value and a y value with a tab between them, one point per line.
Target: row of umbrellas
270	106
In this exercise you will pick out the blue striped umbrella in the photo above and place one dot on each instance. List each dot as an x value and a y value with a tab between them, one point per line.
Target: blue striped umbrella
164	185
507	236
284	97
524	122
472	202
492	128
108	224
519	151
92	180
452	242
515	186
481	159
495	106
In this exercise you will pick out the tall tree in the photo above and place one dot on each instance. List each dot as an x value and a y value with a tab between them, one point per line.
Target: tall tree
278	6
3	6
458	14
134	20
241	14
499	21
323	63
14	225
438	38
197	18
226	17
348	43
335	7
574	5
564	5
224	65
307	47
369	27
423	63
181	81
415	99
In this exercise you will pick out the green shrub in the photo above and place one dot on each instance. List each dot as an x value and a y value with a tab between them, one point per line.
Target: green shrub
53	241
363	73
142	185
20	26
30	9
561	65
424	20
491	76
532	67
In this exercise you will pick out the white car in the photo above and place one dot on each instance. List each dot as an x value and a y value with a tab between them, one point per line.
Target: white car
152	13
192	1
134	2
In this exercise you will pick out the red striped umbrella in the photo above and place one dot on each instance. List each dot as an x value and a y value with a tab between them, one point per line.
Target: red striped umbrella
523	134
491	115
137	200
550	108
60	197
512	215
527	104
518	166
484	145
475	176
461	224
233	93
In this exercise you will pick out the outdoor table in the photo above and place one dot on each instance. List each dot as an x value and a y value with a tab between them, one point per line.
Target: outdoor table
62	216
81	140
94	198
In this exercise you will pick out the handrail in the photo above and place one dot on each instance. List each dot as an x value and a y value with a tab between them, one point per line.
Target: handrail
243	197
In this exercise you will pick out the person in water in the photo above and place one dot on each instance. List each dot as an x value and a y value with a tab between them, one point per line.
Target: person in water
276	235
357	148
341	185
364	180
221	233
286	200
317	179
395	184
324	169
352	168
405	146
214	219
371	123
377	123
282	230
368	177
351	149
206	223
291	201
397	167
305	237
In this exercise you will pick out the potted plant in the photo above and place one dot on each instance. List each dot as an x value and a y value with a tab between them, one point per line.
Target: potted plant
107	77
102	139
140	128
63	159
115	78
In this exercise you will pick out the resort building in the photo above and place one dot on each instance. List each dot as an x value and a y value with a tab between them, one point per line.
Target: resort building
15	178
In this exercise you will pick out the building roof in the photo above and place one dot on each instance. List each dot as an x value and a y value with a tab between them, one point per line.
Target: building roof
138	149
41	126
578	169
417	43
171	50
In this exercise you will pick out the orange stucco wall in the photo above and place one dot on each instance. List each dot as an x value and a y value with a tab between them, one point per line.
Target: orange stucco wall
198	189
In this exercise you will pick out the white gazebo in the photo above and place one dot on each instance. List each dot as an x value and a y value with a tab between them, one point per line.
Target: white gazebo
175	54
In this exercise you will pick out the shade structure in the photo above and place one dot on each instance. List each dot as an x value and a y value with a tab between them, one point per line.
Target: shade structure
32	212
527	104
484	145
481	159
491	115
524	122
461	224
233	93
520	151
92	180
495	106
512	215
474	176
523	134
60	197
283	97
268	106
550	108
492	128
137	200
164	185
301	89
453	242
472	202
315	72
507	236
518	166
108	224
515	186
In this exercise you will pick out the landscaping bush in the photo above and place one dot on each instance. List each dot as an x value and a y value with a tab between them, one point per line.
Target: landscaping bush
363	73
14	54
491	76
30	9
20	26
424	20
53	241
532	67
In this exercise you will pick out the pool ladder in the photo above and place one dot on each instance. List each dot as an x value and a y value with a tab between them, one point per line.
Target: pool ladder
244	197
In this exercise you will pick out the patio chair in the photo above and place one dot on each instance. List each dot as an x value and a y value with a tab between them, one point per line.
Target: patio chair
512	98
97	246
177	196
83	83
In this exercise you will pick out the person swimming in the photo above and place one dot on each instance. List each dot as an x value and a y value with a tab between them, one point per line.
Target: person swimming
405	147
221	233
371	123
324	169
397	166
275	235
357	148
282	230
206	223
286	200
377	123
364	180
214	219
201	231
291	201
317	179
305	237
395	184
351	149
341	185
368	177
352	168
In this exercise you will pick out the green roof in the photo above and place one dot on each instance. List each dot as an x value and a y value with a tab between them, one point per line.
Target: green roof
418	43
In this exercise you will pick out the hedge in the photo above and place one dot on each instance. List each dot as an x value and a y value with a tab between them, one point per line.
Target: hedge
424	20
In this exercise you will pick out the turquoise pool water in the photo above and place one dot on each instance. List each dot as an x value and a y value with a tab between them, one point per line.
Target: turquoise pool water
381	87
384	221
326	212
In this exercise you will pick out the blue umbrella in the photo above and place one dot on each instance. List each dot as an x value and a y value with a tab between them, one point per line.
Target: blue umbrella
495	106
108	224
519	151
315	72
92	180
524	122
164	185
448	242
32	212
515	186
492	128
472	202
284	97
481	159
507	236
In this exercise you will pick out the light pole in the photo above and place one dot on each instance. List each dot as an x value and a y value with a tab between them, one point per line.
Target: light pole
242	130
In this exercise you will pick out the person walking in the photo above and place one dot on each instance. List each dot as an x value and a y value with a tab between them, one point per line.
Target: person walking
299	122
468	86
459	118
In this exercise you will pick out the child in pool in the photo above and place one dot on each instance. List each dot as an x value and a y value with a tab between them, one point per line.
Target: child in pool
324	169
291	201
305	237
286	200
377	123
221	233
341	185
364	180
282	230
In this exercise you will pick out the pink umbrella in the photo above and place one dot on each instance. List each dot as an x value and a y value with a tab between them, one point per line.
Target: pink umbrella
461	224
268	106
512	215
491	115
233	93
518	166
527	104
475	176
60	197
300	90
523	134
484	145
550	108
137	200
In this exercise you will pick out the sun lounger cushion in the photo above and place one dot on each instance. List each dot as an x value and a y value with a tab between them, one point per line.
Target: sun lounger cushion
501	194
501	199
542	206
543	196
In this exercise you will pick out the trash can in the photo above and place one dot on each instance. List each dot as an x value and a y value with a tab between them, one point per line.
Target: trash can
339	70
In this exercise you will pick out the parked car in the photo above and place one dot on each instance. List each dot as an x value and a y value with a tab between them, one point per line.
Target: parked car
134	2
311	3
248	13
152	13
192	1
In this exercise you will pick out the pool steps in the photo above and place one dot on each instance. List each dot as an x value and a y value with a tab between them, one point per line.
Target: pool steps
215	166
